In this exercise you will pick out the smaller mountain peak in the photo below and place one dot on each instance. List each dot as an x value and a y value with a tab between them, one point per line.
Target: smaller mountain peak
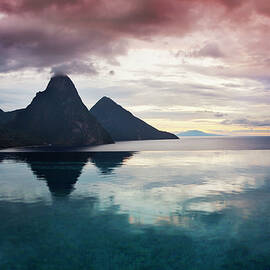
105	98
123	125
106	105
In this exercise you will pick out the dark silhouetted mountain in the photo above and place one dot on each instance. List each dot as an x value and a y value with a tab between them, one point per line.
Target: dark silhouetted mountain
6	117
57	116
195	133
10	137
2	116
123	125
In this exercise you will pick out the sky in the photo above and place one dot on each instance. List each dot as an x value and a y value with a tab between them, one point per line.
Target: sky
177	64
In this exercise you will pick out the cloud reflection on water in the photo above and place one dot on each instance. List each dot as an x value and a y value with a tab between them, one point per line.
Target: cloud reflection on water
146	210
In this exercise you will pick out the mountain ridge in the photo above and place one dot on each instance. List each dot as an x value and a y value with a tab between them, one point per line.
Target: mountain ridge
8	116
123	125
57	116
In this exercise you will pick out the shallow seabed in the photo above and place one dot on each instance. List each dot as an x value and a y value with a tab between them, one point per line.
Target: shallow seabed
135	210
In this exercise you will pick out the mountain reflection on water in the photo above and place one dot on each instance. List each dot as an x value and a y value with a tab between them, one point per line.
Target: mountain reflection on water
61	170
145	210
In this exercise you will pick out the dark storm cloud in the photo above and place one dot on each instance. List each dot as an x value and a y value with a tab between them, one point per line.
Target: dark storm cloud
45	33
31	43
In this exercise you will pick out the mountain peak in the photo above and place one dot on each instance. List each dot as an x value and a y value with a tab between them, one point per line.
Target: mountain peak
58	116
106	99
61	84
123	125
109	104
60	78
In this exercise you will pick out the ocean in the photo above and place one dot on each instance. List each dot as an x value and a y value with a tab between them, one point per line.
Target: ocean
193	203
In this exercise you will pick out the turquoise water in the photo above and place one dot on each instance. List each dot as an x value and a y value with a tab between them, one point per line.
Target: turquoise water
135	210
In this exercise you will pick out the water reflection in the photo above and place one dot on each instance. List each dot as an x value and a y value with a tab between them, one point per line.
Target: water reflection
176	210
61	170
106	162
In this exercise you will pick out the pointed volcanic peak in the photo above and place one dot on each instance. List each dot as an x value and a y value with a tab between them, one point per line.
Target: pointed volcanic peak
62	85
57	116
123	125
60	91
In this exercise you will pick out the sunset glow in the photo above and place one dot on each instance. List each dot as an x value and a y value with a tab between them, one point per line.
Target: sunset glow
177	64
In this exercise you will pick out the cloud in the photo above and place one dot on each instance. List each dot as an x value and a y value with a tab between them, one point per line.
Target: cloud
38	44
209	50
44	33
75	67
247	122
251	131
220	42
219	115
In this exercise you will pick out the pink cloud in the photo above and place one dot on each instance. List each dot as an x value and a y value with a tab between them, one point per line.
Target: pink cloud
46	33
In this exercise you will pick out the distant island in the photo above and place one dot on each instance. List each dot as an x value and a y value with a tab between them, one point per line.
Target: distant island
196	133
58	117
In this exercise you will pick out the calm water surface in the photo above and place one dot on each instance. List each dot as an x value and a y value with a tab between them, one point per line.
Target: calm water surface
207	209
